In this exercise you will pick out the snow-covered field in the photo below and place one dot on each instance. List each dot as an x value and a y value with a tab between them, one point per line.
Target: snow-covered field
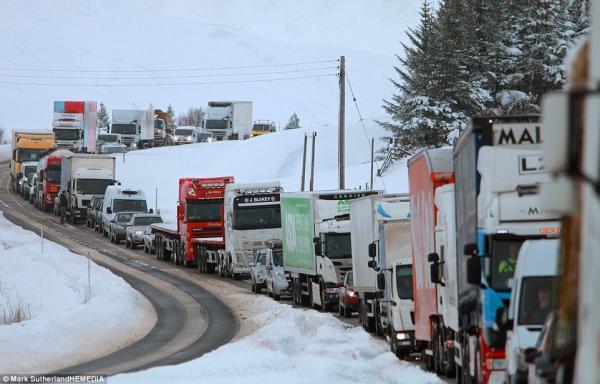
291	346
68	323
276	156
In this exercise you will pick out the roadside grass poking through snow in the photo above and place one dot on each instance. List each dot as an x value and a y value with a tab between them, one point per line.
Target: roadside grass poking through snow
13	309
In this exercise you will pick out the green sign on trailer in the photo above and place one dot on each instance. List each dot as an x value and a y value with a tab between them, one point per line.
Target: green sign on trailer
297	224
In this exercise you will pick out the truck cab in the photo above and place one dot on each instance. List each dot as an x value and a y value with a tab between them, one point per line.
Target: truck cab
252	218
262	127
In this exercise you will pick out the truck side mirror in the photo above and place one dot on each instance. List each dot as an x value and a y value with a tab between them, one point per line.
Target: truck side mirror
433	257
531	354
150	210
502	321
380	282
434	272
318	246
474	270
470	249
372	250
108	210
373	265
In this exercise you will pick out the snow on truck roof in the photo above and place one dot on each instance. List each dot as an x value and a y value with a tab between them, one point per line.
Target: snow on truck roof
438	159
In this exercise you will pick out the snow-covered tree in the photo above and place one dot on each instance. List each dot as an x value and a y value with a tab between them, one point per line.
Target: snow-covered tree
293	122
102	119
171	112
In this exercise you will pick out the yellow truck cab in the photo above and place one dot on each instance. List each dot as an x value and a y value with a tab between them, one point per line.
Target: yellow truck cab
262	127
28	146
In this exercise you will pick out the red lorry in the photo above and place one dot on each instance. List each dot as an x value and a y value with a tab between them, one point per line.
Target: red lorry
199	232
427	171
49	179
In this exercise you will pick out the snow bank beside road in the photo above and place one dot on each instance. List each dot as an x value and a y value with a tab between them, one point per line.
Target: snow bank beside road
292	346
65	328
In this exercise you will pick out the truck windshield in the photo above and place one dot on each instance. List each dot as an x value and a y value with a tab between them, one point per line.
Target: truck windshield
338	245
53	174
124	217
145	221
204	210
31	154
503	262
257	217
66	134
129	129
93	186
536	301
108	138
159	124
184	132
216	124
261	127
278	258
120	205
404	282
29	170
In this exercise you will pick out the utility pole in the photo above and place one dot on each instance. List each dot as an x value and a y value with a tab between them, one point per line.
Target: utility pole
312	162
372	158
342	124
303	164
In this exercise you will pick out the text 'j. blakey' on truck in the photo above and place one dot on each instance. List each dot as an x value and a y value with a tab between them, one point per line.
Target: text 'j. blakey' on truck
221	195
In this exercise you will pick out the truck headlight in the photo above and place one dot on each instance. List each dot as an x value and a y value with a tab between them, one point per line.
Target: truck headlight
402	336
139	233
280	275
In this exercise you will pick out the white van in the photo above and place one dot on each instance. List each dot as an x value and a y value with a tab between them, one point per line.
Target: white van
118	198
531	302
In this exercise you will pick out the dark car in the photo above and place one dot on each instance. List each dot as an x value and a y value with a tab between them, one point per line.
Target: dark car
348	299
93	209
118	225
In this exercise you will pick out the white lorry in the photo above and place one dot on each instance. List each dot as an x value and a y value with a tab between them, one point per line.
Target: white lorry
317	249
136	127
82	177
382	267
229	120
74	125
252	218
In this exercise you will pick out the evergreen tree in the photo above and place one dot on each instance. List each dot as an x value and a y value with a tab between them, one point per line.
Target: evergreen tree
419	118
102	119
294	122
171	112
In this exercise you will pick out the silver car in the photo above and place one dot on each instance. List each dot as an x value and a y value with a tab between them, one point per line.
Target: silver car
134	232
276	280
258	271
149	244
116	231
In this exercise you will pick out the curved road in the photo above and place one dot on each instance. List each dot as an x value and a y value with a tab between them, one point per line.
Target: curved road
190	320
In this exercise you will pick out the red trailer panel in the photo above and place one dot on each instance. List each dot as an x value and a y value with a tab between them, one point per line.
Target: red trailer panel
74	106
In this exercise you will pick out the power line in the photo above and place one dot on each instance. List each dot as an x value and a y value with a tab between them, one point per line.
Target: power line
165	77
167	84
161	69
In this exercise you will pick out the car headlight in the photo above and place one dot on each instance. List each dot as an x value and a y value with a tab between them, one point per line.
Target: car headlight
280	275
139	233
351	293
402	336
189	138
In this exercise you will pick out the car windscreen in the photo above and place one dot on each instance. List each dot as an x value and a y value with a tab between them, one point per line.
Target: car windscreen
537	299
204	210
257	217
53	174
338	245
120	205
278	258
504	254
404	282
146	220
184	132
124	217
93	186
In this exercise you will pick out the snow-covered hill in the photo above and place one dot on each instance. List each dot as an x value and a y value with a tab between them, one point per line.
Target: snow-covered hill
142	35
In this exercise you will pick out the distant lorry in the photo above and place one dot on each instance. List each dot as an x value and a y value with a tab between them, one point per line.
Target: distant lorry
317	249
163	127
382	267
427	171
49	171
136	127
82	177
498	168
198	235
262	127
229	120
252	218
28	146
74	124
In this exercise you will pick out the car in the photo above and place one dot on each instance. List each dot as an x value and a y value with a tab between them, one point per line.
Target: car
32	188
258	271
185	135
134	232
109	143
276	280
93	208
348	299
149	244
97	214
116	231
541	366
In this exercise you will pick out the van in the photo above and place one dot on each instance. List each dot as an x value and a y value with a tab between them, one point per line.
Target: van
119	198
532	300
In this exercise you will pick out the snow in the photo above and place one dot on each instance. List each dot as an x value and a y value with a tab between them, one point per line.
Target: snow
143	35
67	325
292	346
275	156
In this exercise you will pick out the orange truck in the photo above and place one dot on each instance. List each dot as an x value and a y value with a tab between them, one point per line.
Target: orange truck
28	146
